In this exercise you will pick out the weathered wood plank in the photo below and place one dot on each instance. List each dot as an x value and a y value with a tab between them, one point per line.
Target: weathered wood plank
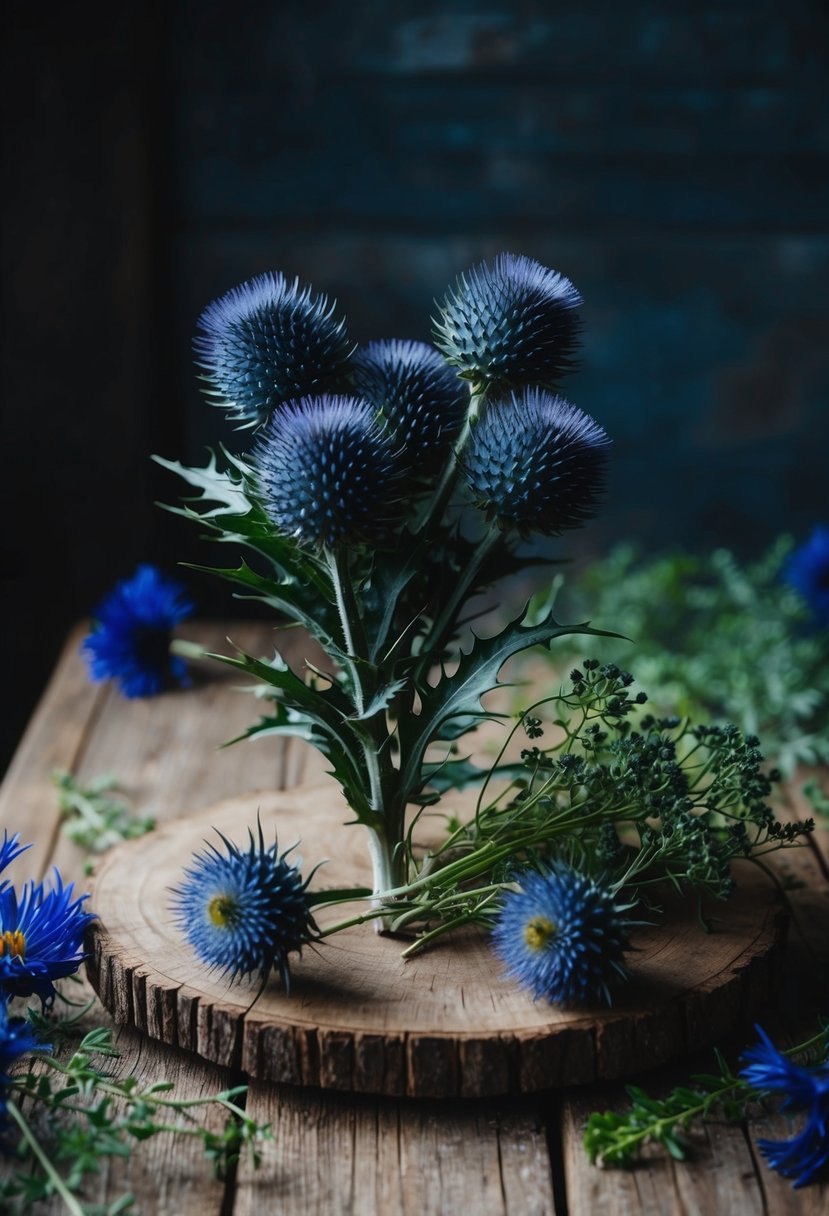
350	1157
55	738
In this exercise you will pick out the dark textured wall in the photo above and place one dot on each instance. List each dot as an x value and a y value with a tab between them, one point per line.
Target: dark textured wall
669	157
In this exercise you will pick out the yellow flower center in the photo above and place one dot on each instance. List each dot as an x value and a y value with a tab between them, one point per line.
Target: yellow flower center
221	910
12	943
538	931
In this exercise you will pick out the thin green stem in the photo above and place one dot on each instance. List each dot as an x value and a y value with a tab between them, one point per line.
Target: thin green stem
440	498
443	623
60	1187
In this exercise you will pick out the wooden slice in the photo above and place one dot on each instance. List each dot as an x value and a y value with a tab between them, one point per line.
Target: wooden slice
444	1023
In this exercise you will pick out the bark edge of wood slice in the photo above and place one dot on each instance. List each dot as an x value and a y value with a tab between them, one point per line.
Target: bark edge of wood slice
444	1024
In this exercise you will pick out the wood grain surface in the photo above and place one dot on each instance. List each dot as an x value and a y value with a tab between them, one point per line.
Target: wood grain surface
444	1023
357	1155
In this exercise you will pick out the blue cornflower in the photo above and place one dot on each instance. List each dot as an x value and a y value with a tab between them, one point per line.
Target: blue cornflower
130	638
804	1089
244	911
807	570
536	463
16	1038
563	936
266	341
10	849
328	471
421	399
41	938
510	323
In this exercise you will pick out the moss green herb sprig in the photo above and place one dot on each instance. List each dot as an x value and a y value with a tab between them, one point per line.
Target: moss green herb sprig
616	1138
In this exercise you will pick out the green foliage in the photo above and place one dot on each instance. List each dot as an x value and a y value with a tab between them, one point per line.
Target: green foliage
717	641
72	1115
91	817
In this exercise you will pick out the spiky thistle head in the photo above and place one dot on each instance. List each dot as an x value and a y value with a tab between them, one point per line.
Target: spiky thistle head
563	936
421	399
41	938
244	911
131	633
328	472
536	463
266	341
510	323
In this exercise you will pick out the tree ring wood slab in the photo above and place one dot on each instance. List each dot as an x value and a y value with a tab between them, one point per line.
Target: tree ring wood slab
444	1023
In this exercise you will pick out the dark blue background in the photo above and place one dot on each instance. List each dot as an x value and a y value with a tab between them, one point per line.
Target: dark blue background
668	157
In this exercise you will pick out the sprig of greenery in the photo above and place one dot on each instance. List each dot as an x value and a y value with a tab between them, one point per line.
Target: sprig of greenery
716	640
91	817
89	1115
617	1138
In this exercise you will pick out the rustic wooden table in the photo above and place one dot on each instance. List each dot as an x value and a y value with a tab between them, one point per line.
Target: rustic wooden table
335	1153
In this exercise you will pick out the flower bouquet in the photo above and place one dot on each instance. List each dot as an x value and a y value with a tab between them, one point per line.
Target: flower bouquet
386	488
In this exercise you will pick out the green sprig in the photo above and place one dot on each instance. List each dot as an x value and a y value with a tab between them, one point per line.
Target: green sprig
91	1115
617	1138
91	817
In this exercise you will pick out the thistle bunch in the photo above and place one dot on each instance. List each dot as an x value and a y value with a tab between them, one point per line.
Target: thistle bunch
385	487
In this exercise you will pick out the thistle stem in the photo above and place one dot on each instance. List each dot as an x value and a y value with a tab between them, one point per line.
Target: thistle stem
188	650
444	622
442	494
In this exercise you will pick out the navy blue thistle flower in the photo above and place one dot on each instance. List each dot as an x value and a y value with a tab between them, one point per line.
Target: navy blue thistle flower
805	1155
510	323
563	936
41	938
131	633
266	341
244	911
536	463
16	1038
421	399
328	472
807	570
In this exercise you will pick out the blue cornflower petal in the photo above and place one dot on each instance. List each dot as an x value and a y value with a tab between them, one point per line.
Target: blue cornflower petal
244	911
266	341
130	638
803	1089
510	323
16	1038
563	936
421	399
328	471
807	570
10	849
41	938
536	463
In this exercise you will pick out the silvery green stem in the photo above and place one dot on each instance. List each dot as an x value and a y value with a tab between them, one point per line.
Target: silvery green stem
461	590
384	875
188	650
438	503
